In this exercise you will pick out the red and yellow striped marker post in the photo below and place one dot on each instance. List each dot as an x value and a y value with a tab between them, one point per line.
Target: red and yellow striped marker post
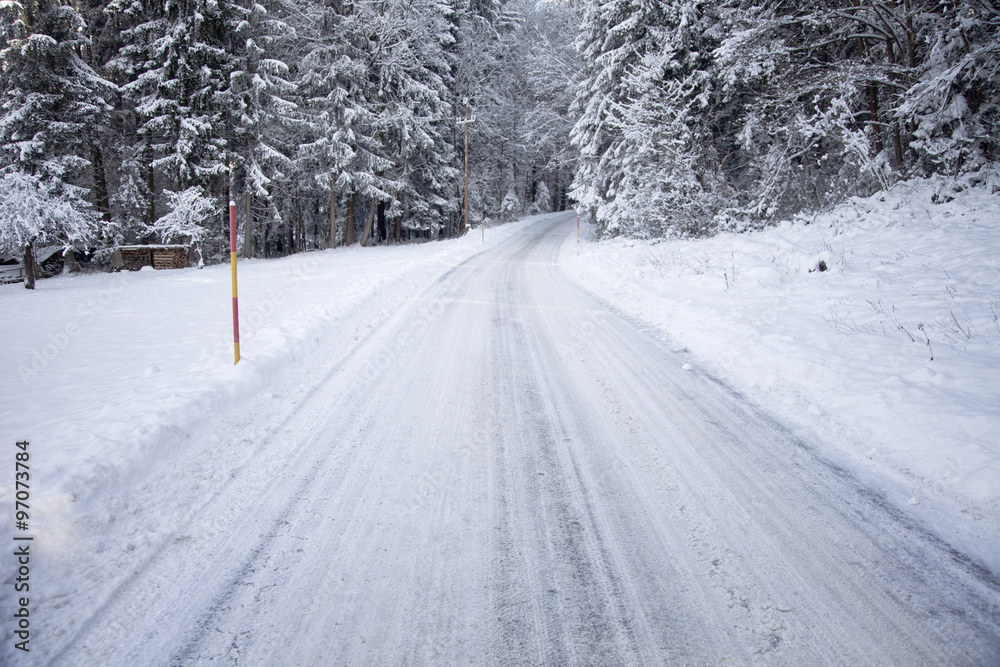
236	309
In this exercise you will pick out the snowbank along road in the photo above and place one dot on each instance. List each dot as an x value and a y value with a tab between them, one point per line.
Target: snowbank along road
508	471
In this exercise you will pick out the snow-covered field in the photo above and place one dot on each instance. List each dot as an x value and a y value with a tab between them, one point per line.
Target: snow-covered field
890	358
101	372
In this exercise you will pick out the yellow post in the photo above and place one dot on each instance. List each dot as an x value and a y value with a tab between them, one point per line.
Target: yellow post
232	254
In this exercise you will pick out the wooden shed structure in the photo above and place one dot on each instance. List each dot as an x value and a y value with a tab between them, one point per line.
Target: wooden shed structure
134	257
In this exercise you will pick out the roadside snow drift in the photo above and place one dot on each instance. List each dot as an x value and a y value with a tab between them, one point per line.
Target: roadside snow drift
101	372
875	327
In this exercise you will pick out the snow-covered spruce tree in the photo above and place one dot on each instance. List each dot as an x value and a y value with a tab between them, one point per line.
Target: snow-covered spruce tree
335	149
543	199
615	36
132	201
552	68
260	111
174	68
415	118
510	206
669	178
52	101
408	107
375	91
647	165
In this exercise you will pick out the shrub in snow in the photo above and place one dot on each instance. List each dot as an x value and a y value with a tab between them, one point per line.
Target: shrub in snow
190	209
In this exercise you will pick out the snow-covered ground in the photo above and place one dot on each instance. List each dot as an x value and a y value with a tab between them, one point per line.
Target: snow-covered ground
100	372
501	470
889	359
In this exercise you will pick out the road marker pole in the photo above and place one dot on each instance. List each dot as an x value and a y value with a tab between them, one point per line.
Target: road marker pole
483	225
577	234
236	310
465	229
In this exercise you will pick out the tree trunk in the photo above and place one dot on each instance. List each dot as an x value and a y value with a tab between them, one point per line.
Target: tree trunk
897	143
299	236
872	94
368	223
399	228
383	231
873	116
29	268
248	231
151	186
349	222
333	217
101	184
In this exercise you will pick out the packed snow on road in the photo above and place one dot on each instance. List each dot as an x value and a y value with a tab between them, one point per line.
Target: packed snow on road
687	451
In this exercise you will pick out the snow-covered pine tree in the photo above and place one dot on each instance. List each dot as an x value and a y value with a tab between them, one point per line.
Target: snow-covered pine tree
340	148
669	180
260	109
429	149
615	36
543	199
391	93
490	74
175	66
132	201
52	103
552	67
327	89
510	206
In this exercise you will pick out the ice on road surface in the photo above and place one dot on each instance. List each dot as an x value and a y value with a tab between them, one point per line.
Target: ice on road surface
507	470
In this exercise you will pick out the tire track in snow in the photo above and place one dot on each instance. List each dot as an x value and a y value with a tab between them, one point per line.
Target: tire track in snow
616	509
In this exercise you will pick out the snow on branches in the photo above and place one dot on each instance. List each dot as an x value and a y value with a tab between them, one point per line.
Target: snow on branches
35	210
189	211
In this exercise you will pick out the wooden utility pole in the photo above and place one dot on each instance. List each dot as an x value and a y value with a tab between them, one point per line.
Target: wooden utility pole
465	227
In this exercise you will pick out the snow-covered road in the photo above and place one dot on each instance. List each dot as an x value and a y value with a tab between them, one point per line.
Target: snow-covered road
509	471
